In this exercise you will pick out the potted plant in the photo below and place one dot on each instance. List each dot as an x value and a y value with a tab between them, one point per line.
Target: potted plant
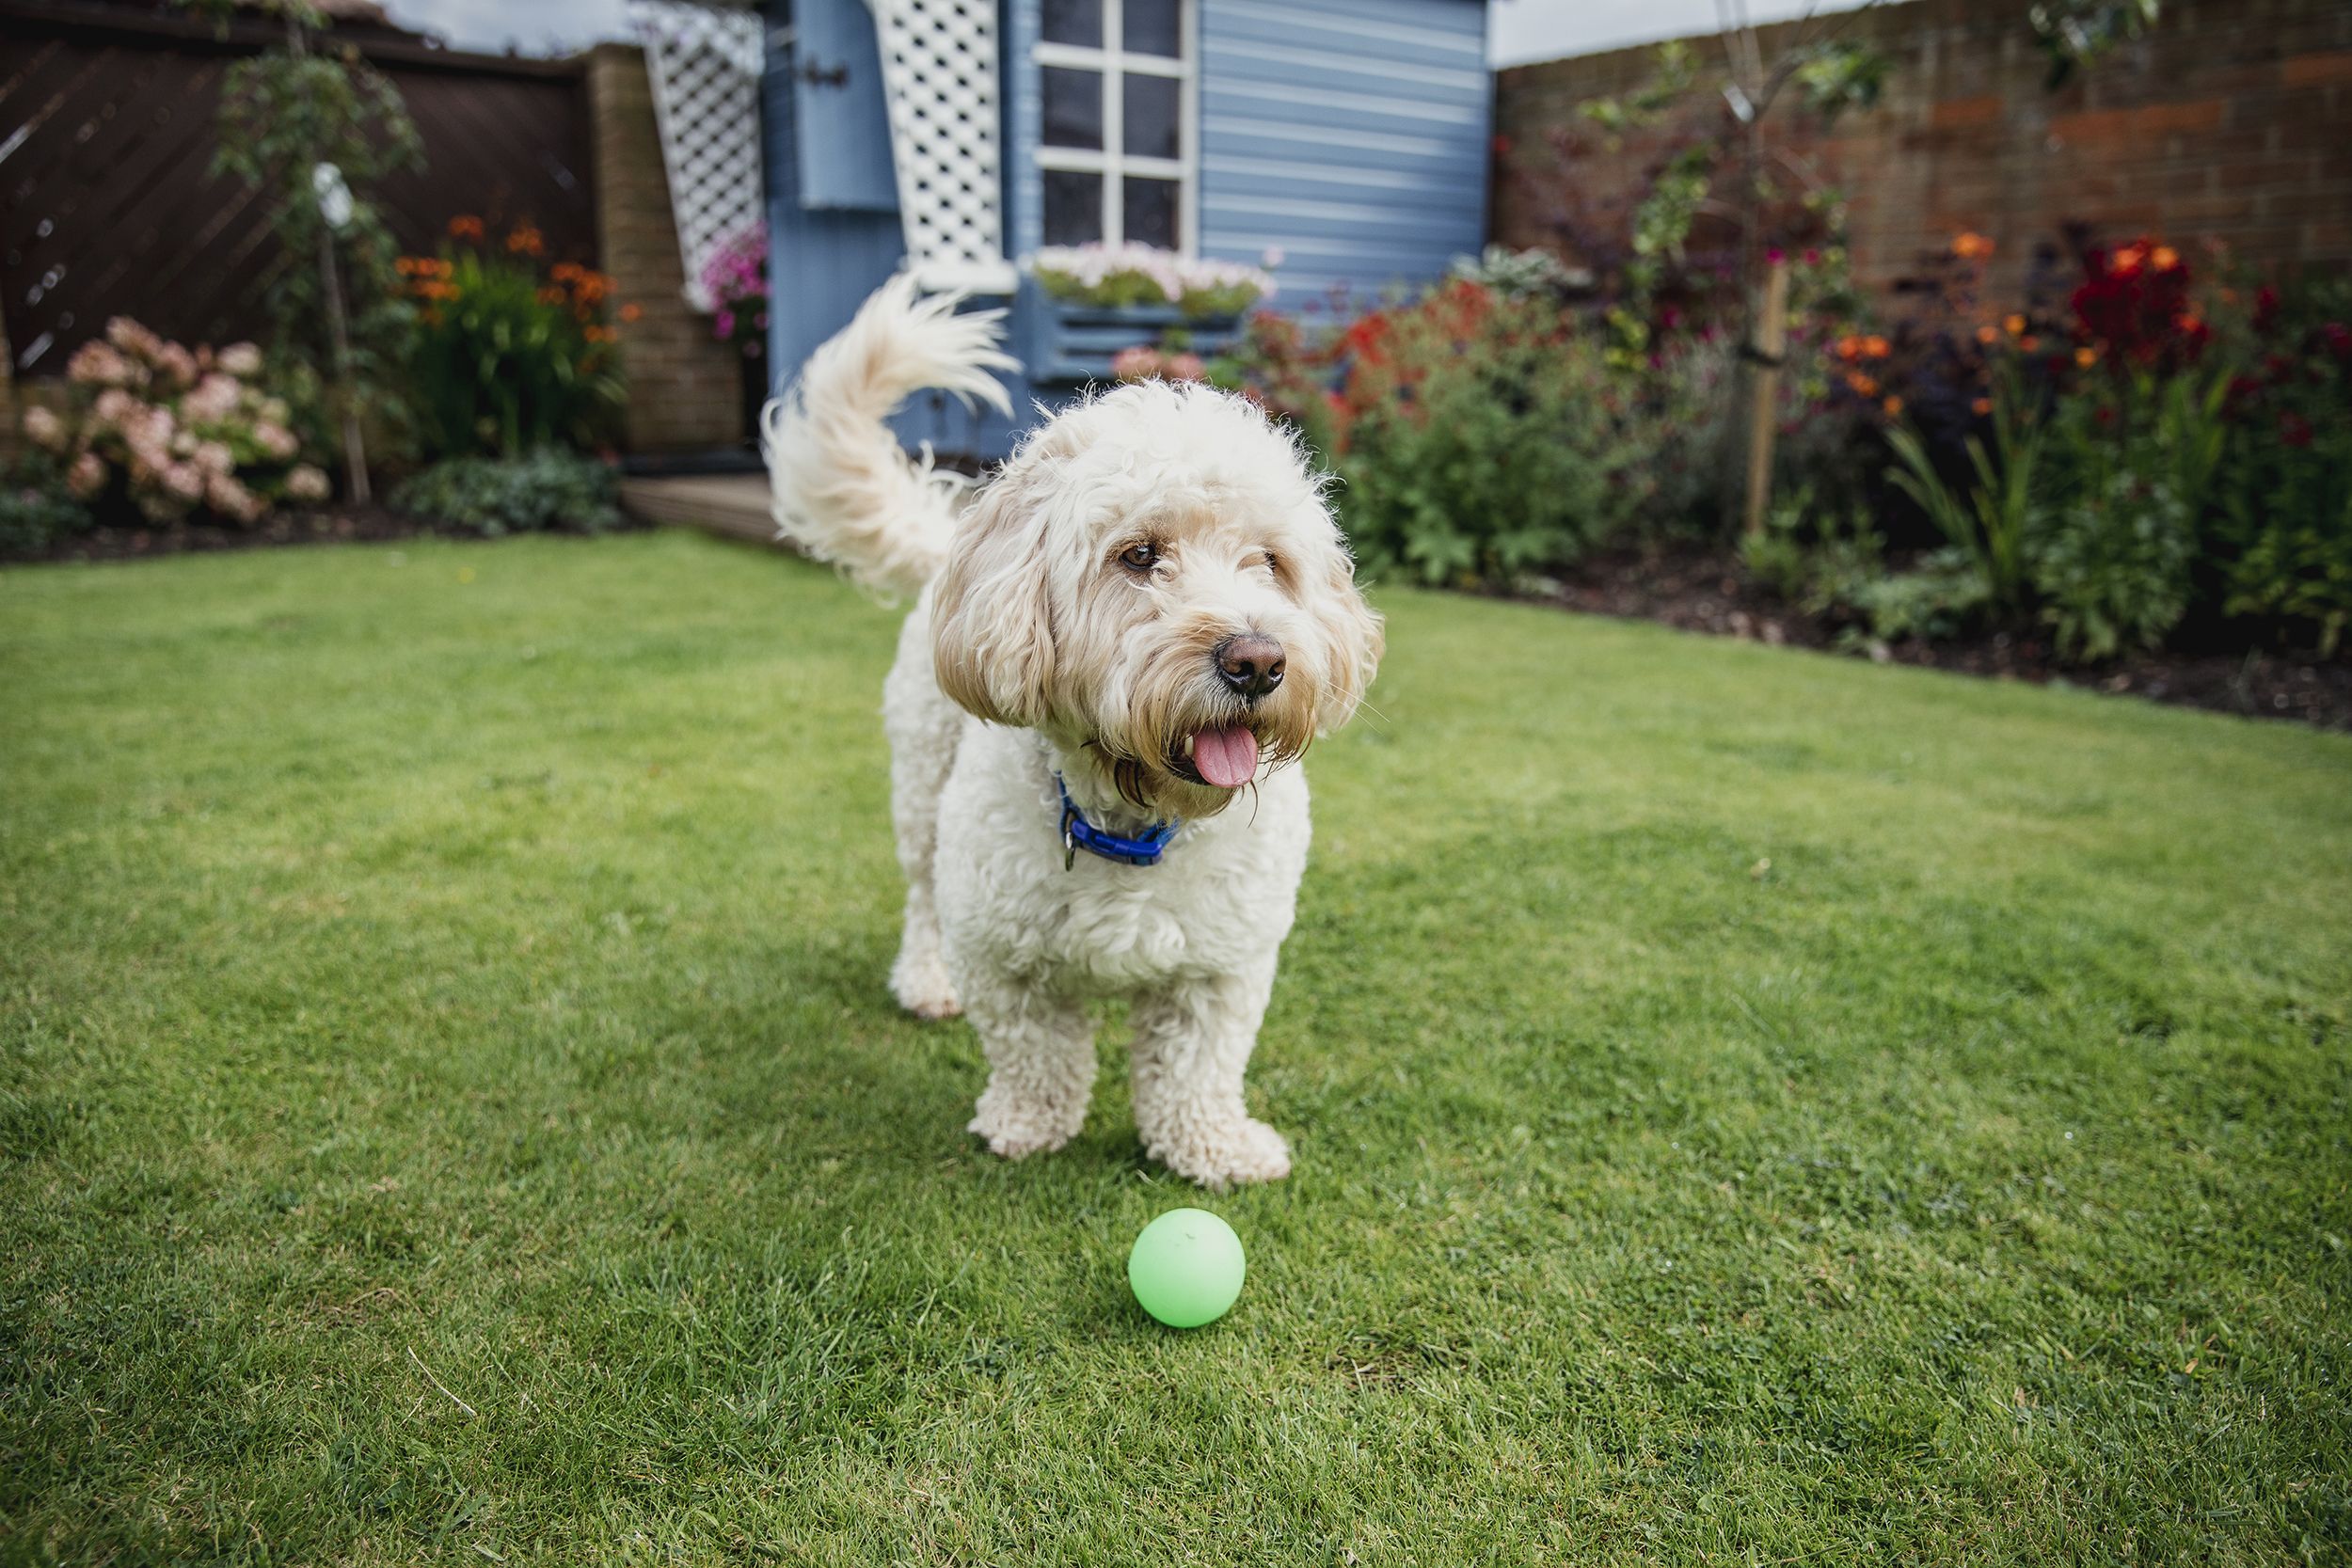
1091	301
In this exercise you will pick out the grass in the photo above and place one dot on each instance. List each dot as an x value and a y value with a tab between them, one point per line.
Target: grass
1751	1107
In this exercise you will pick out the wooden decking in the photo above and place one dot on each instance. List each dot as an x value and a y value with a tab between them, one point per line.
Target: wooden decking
735	505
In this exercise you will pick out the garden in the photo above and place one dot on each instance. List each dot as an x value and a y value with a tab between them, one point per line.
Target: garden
477	384
2135	472
1748	1107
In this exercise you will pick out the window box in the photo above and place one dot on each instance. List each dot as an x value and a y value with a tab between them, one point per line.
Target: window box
1070	342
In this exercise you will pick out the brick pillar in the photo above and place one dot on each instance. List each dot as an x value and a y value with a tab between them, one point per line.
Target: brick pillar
684	388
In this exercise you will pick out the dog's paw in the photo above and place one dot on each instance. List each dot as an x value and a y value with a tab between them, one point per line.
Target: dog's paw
925	991
1016	1130
1234	1153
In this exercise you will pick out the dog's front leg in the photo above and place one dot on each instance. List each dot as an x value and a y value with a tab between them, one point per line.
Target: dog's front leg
1192	1043
1040	1065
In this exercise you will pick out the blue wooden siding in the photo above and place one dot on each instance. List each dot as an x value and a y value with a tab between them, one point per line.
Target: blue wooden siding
842	123
821	262
1350	134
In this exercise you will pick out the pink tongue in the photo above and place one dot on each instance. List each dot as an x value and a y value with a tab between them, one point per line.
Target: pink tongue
1228	758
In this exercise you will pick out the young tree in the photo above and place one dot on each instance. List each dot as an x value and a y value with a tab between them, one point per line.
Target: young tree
314	128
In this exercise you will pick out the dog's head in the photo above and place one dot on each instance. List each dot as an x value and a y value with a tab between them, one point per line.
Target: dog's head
1154	577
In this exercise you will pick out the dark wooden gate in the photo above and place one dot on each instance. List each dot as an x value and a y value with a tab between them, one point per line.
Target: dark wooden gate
108	206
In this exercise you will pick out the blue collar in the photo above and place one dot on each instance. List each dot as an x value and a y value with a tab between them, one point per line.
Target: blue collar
1078	833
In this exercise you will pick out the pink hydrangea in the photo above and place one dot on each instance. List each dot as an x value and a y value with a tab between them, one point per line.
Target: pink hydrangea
132	339
214	400
240	359
96	364
225	496
275	439
44	429
86	475
307	483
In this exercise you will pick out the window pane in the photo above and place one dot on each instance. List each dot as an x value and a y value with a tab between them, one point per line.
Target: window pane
1073	207
1154	104
1150	212
1073	108
1153	27
1079	22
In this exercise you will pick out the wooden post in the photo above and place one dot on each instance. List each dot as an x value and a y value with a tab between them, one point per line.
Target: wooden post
1764	383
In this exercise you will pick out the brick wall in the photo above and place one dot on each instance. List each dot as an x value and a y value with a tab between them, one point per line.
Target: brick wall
2231	119
684	388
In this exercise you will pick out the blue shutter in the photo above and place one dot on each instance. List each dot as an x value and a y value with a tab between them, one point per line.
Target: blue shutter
843	128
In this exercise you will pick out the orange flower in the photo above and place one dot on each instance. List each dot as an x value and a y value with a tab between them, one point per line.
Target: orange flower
1848	348
2085	357
550	296
465	227
2166	258
1874	347
1987	334
631	312
1862	385
2030	343
2015	324
1981	407
2128	258
524	240
563	272
1893	406
1971	246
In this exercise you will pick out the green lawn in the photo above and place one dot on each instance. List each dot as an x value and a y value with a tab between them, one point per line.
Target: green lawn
453	973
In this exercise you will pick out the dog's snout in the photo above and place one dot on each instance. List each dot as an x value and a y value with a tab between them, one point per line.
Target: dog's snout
1251	663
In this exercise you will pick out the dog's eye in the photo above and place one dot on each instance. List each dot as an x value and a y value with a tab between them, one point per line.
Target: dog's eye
1261	558
1139	558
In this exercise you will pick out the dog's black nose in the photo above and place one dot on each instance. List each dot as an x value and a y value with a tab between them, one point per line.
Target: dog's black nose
1251	663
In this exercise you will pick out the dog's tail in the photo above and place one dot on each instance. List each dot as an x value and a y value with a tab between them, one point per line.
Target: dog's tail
844	490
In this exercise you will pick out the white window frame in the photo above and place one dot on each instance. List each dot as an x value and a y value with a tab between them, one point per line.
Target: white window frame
1113	162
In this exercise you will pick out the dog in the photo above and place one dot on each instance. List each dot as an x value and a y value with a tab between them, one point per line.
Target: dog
1120	646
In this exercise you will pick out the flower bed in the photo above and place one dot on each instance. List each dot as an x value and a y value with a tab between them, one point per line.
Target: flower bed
1093	301
170	431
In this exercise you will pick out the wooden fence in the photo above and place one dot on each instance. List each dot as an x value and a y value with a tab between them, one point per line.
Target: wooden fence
109	205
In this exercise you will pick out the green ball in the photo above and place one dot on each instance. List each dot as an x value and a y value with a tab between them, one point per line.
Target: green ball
1187	1268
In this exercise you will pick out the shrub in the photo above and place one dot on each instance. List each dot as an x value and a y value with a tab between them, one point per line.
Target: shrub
507	360
1481	438
173	431
1127	274
545	490
2286	480
36	508
1518	273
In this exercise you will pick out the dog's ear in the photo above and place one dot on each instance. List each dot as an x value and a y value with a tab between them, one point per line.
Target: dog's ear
991	621
1353	635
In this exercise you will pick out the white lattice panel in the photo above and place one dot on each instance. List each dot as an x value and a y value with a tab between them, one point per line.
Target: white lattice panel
704	64
941	79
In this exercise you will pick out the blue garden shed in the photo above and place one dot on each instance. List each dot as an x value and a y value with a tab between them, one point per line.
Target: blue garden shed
1344	140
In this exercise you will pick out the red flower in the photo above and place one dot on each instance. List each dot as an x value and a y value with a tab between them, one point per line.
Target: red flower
2265	308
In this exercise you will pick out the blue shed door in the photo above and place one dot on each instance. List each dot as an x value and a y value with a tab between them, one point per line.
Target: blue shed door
843	127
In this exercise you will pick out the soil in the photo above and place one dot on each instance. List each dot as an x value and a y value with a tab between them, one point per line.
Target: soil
340	525
1706	589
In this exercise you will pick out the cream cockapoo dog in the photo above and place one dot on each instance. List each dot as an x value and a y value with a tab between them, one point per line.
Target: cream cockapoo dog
1146	616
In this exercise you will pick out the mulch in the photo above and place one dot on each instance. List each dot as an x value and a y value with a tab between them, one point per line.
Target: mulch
1706	589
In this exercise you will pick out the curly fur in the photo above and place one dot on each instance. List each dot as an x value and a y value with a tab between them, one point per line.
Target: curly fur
1043	643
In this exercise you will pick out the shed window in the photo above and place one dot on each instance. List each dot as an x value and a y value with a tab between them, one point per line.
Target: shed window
1120	137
